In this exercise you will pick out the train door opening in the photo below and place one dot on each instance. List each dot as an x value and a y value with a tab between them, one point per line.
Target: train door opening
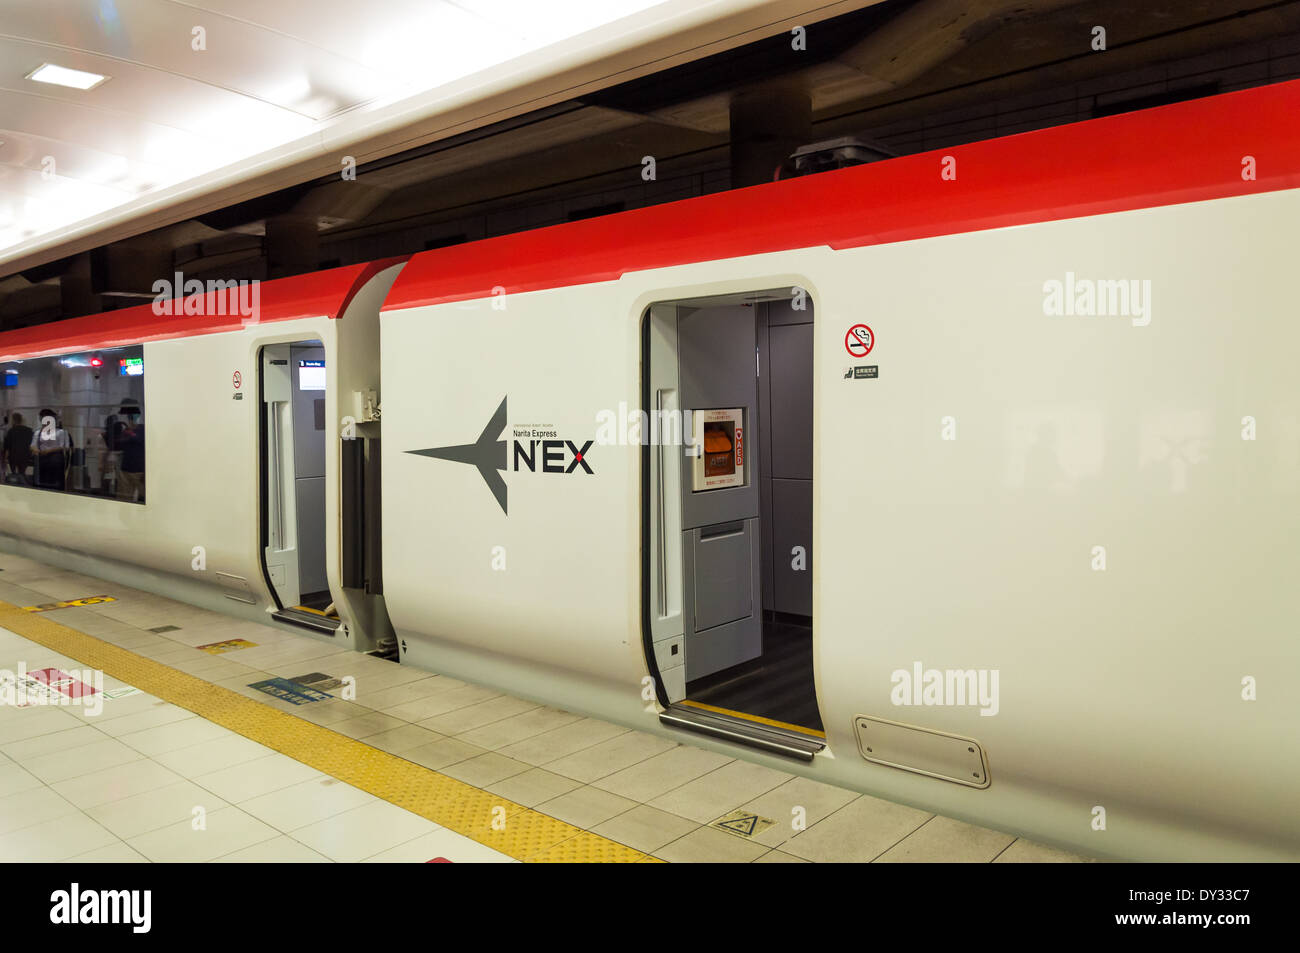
729	516
293	472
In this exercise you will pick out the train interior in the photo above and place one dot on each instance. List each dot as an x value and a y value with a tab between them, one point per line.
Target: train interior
293	473
732	630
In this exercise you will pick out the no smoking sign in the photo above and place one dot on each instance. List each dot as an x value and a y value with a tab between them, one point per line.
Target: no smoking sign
859	340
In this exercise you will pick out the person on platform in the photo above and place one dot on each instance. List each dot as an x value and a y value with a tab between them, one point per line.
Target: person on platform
17	450
130	441
52	447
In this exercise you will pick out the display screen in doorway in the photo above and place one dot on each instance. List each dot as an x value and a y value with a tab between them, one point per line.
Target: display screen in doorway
311	375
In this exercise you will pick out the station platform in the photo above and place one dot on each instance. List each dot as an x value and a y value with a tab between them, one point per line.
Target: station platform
216	739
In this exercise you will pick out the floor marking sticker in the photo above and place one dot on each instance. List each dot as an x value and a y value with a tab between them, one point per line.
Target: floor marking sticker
230	645
290	691
160	629
743	823
43	686
67	684
70	604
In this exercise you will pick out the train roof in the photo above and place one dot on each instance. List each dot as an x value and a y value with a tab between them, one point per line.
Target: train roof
1185	152
316	294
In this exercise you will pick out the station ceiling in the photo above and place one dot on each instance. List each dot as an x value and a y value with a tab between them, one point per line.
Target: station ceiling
193	96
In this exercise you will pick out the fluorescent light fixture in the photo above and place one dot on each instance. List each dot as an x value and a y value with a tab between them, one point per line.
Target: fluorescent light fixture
62	76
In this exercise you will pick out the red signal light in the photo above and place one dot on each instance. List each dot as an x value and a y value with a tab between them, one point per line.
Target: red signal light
96	362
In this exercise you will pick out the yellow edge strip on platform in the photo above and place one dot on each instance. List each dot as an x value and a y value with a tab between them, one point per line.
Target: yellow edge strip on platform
757	718
312	611
528	835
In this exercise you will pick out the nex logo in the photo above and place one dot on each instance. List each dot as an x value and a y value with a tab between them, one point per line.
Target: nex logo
552	455
488	454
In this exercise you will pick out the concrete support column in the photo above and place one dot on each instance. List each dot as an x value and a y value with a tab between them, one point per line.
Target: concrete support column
128	269
292	245
767	124
77	295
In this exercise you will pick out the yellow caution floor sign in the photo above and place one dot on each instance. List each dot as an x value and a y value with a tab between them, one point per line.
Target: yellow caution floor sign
70	604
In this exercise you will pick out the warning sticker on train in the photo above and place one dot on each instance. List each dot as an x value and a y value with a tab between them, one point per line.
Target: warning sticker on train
488	454
859	340
237	379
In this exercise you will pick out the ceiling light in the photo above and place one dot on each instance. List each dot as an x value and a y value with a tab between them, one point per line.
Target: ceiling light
62	76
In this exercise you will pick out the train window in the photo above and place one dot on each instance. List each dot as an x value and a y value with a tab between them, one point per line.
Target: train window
75	424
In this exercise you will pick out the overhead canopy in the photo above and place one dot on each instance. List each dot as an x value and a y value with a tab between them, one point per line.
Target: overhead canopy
202	103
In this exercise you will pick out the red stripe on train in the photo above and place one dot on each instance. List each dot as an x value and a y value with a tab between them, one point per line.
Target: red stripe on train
1184	152
322	293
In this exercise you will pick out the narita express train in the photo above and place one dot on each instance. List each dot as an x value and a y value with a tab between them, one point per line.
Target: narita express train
967	479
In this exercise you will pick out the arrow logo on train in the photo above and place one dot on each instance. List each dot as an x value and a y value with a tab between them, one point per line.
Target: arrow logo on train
487	453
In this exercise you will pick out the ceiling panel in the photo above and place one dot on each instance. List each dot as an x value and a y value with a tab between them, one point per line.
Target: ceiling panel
238	56
271	74
133	93
435	40
282	89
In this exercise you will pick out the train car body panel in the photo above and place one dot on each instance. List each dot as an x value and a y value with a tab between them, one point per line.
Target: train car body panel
212	457
547	575
1043	488
198	536
1075	505
963	491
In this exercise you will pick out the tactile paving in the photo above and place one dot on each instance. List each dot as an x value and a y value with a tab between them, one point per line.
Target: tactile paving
510	828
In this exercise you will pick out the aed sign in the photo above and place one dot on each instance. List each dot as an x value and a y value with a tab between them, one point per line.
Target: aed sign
720	449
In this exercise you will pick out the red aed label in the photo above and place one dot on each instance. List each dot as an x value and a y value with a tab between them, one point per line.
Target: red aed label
740	447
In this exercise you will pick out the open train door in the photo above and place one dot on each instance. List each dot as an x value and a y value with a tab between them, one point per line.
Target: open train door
729	518
293	398
321	515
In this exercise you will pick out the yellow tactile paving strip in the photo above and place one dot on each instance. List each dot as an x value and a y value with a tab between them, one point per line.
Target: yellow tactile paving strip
527	835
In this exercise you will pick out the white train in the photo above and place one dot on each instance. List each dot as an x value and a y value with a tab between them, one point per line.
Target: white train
995	514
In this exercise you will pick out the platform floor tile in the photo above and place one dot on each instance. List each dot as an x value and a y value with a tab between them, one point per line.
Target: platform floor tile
195	765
